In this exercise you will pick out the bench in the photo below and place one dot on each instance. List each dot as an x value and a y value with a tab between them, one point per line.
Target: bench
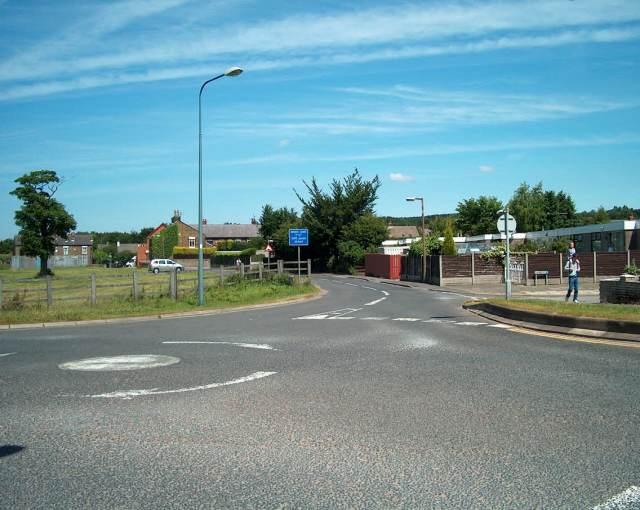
537	274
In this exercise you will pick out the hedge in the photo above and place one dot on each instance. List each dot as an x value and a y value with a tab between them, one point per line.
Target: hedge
188	253
227	258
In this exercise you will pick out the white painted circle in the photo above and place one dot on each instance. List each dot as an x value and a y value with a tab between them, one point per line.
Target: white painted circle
118	363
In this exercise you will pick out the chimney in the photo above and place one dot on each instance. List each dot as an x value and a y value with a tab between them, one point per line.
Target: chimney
204	221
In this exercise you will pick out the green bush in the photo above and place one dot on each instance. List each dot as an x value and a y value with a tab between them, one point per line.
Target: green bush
184	252
632	269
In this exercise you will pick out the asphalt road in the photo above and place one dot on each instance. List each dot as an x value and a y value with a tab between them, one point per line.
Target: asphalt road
374	396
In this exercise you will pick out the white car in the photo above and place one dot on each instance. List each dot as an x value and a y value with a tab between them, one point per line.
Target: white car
157	265
131	263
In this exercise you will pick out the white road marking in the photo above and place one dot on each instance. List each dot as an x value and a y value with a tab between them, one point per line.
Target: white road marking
406	319
500	326
341	318
118	363
7	354
469	323
373	318
370	288
384	292
129	394
328	315
352	284
627	500
375	302
237	344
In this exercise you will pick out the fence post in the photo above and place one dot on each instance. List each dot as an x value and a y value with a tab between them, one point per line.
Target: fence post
242	270
260	270
628	257
441	273
473	269
280	266
173	284
561	267
136	289
526	269
308	268
49	292
94	297
595	273
221	274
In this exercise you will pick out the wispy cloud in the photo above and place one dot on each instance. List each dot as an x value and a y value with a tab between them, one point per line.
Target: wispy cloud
486	169
399	177
97	51
439	150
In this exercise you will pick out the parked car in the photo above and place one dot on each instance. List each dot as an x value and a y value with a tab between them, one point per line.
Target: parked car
157	265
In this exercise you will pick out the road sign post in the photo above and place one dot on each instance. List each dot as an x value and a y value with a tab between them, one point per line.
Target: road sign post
507	225
298	237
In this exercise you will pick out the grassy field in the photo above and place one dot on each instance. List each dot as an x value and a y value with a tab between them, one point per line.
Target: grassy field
601	311
25	297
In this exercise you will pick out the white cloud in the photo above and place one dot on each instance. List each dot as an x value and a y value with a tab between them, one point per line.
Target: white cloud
284	142
94	50
486	169
398	177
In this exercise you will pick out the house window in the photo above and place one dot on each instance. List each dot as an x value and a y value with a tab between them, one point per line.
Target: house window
65	250
192	242
85	250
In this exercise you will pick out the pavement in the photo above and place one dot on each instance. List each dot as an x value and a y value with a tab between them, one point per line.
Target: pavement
589	293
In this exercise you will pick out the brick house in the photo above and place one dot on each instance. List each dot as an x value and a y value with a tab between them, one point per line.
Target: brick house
75	250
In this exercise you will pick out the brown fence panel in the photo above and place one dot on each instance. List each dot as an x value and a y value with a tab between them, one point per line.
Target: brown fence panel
382	266
545	262
586	264
635	257
484	267
456	266
611	264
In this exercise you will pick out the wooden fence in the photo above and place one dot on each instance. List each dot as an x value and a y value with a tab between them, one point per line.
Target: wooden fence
474	269
137	284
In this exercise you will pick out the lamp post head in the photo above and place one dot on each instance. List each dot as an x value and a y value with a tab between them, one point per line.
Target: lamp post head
233	71
410	199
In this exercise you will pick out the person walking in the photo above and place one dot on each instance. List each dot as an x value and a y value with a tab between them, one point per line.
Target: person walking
573	266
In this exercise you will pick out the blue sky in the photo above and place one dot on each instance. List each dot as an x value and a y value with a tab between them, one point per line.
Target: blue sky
448	100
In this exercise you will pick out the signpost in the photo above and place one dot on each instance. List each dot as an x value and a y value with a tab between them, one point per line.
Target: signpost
269	251
507	226
298	237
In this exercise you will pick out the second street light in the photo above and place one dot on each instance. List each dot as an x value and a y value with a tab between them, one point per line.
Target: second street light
424	239
233	71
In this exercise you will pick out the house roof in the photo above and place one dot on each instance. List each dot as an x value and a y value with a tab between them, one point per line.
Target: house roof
229	231
402	232
73	239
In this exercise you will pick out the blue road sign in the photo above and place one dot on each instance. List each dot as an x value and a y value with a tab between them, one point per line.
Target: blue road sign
298	237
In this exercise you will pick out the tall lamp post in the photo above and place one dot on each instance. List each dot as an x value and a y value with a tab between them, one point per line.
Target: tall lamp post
233	71
424	240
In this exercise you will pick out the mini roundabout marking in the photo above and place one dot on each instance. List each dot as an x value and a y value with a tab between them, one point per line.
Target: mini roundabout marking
142	361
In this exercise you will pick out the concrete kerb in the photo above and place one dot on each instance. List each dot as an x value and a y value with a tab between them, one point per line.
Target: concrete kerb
576	326
178	315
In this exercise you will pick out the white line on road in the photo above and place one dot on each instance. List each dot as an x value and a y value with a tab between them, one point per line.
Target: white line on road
370	288
500	326
373	318
7	354
375	302
341	318
384	292
311	317
406	319
468	323
237	344
627	500
352	284
129	394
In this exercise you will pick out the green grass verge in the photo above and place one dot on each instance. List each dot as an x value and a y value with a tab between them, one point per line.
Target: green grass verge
240	294
599	311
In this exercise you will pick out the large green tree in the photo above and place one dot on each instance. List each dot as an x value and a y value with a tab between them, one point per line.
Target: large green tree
41	217
272	219
477	215
536	209
330	215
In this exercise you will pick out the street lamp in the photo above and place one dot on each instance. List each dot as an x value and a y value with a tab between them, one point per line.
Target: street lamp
232	71
424	240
